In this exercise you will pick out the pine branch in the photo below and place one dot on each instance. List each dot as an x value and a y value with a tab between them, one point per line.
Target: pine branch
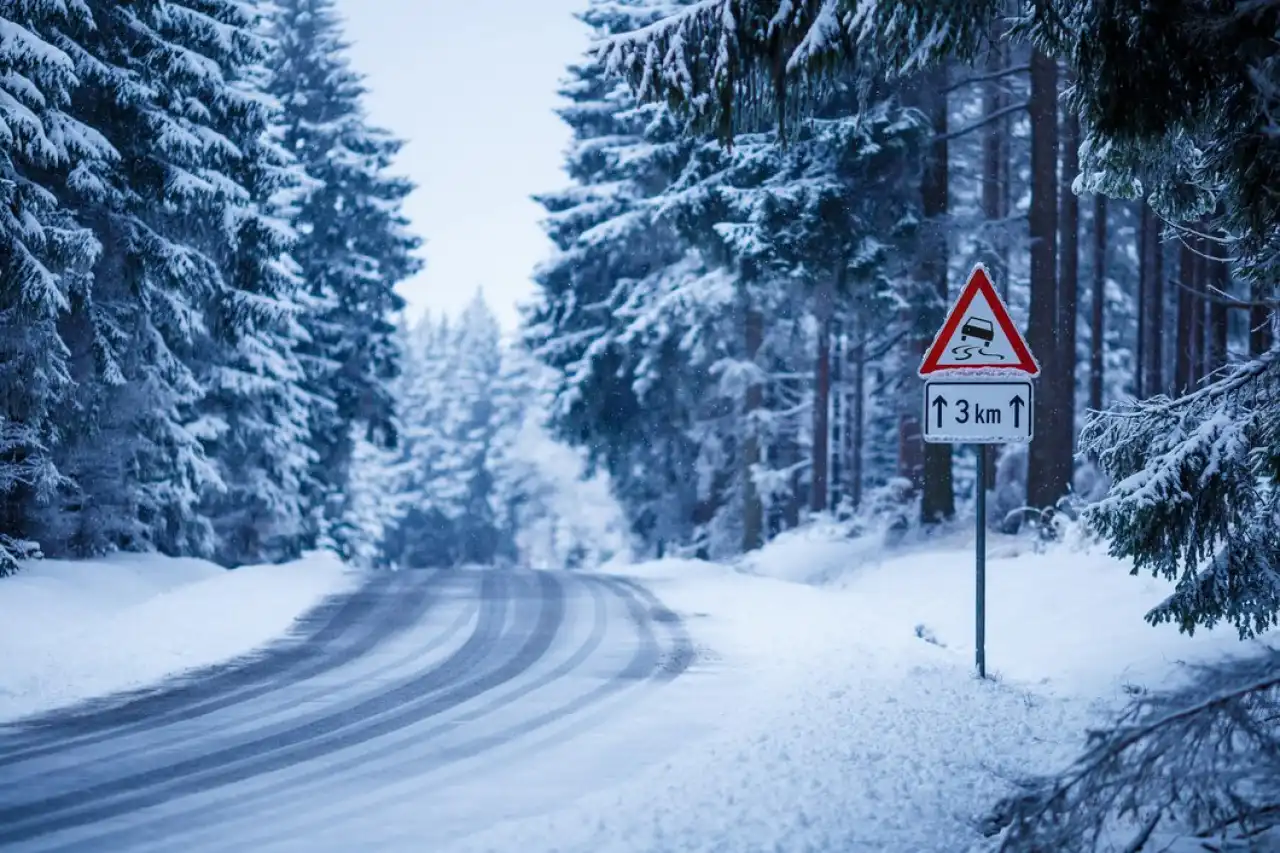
1190	749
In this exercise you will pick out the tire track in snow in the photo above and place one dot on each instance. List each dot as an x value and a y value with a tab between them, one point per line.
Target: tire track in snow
383	726
206	690
649	663
392	709
207	826
682	653
384	758
259	709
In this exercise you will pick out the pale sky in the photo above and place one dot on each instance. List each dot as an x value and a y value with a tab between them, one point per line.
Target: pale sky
471	85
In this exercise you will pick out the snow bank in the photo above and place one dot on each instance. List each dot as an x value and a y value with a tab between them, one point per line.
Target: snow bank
73	630
858	724
1070	616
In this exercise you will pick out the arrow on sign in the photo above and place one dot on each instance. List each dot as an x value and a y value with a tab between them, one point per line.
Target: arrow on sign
940	403
1017	403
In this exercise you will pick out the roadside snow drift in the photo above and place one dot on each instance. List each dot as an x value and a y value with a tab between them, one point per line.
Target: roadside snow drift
74	630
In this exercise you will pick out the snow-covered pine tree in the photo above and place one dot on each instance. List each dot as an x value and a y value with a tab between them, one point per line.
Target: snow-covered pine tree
418	528
353	245
459	410
475	477
44	255
1197	479
550	513
253	417
473	420
521	491
373	502
156	82
807	229
607	238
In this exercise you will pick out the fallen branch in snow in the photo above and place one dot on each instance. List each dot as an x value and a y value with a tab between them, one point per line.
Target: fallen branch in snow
1202	760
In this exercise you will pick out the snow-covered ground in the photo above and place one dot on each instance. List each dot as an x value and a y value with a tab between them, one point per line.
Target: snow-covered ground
74	630
833	706
839	726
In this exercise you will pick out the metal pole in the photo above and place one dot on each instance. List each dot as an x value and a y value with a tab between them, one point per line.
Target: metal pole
981	602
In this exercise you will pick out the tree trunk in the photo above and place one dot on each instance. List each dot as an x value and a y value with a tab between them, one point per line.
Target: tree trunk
938	501
823	304
1259	321
1184	355
752	507
857	414
1218	280
784	512
1198	312
1144	285
993	197
839	440
1098	313
993	191
1045	482
910	440
1156	294
1068	304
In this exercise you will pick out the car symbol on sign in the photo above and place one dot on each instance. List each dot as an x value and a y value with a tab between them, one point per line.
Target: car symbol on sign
978	328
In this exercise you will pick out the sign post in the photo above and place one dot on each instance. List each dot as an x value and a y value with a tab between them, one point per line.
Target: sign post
978	390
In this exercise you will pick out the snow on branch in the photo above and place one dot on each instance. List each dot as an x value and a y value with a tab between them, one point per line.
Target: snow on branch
730	64
1201	759
1195	497
725	63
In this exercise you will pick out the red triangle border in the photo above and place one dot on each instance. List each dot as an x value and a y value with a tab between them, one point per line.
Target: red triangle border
979	281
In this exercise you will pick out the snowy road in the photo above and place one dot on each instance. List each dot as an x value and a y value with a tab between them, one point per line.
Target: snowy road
393	718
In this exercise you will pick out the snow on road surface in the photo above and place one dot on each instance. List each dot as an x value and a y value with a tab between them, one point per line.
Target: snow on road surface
860	725
75	630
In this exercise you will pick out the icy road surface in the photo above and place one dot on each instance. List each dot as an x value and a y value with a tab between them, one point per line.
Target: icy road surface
386	716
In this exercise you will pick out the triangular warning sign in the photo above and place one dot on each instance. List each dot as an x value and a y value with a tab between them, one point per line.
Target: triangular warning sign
978	334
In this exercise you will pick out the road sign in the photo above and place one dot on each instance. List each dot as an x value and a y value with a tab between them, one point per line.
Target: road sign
959	411
978	334
977	390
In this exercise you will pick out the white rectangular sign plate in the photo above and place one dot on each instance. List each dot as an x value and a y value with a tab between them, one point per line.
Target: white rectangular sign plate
975	411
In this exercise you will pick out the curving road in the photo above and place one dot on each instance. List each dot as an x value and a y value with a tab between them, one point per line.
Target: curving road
361	721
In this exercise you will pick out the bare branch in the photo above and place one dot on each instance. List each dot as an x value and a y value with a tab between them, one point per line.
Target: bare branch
986	78
1217	297
983	122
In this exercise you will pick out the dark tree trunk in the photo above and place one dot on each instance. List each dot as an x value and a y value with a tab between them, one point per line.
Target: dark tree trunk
993	194
910	442
1184	355
1153	310
1144	285
1098	312
752	507
938	501
1260	331
1045	480
857	414
823	304
784	514
1064	367
1218	282
1199	312
839	440
993	191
